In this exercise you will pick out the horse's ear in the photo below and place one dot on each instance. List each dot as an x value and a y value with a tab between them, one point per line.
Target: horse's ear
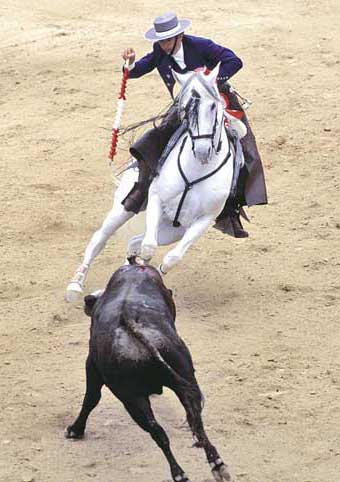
212	76
181	78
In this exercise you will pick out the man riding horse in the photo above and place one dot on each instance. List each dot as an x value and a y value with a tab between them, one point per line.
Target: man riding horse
174	50
177	55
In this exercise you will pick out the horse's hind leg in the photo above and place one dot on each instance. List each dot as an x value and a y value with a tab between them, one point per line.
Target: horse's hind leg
192	405
94	385
141	412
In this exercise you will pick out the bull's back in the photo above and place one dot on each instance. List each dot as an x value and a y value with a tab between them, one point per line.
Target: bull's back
126	343
120	328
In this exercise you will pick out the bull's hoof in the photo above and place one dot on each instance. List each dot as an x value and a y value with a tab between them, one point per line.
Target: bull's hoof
73	292
71	433
181	478
221	473
147	252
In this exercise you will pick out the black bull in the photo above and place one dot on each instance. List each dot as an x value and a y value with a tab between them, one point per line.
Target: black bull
135	350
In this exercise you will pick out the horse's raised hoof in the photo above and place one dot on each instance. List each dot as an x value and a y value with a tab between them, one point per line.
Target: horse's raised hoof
161	270
169	262
75	287
71	433
147	252
221	473
73	292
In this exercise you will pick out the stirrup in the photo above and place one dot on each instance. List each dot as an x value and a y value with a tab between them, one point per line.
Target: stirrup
75	287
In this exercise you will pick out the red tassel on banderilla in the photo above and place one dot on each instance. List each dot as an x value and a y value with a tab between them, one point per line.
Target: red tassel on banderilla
119	113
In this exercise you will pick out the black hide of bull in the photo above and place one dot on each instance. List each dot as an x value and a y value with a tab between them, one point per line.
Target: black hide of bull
135	351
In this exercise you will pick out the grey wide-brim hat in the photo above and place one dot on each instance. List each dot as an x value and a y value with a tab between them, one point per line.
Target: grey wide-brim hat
167	26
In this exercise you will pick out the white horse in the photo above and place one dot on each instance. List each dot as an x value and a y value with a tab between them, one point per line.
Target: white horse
190	190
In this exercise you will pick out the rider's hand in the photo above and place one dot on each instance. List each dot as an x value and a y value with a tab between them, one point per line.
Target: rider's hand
130	55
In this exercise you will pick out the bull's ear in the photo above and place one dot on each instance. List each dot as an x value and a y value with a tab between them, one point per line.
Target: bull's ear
89	301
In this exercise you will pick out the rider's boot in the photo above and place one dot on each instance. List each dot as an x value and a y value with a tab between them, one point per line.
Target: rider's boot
253	169
136	198
229	222
76	285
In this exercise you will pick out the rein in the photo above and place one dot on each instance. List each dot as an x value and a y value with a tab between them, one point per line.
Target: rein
190	184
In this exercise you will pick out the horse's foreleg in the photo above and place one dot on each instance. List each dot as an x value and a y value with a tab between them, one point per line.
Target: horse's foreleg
192	234
113	221
134	245
153	217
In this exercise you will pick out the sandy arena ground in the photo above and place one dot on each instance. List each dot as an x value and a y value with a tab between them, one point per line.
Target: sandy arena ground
261	316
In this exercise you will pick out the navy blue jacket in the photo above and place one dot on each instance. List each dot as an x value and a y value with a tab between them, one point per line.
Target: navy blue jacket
198	52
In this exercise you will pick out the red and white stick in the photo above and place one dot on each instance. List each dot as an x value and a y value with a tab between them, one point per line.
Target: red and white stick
119	113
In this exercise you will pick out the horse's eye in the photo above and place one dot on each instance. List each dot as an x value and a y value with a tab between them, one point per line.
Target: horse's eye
213	107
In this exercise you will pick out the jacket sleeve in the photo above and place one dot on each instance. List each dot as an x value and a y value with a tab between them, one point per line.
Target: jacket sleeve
214	53
143	66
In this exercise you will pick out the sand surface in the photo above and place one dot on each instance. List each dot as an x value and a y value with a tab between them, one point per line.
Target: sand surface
261	316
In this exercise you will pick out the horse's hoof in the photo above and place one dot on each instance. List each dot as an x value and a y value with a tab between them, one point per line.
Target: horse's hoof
73	292
161	270
169	261
72	434
147	252
75	287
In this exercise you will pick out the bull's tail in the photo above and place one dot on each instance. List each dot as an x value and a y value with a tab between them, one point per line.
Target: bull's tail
192	388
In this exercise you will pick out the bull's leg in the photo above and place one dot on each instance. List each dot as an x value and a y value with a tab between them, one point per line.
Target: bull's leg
167	234
192	234
153	218
141	412
94	384
192	405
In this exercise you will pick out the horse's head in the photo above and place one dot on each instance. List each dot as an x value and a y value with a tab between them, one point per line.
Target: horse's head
200	104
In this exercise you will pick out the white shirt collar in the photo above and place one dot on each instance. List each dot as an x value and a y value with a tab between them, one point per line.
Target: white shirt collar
179	57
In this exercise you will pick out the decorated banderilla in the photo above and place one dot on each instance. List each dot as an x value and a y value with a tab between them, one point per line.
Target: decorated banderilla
119	113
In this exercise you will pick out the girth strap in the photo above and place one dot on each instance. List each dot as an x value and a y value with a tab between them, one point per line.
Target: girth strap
188	184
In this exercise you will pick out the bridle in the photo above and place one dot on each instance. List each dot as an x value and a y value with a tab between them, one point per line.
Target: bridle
210	136
190	184
196	100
